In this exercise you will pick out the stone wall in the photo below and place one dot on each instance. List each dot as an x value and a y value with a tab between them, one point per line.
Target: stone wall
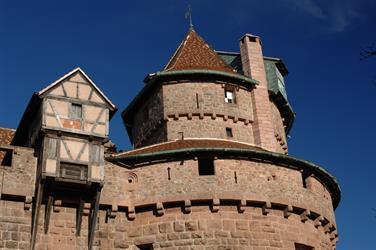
148	121
254	181
169	205
279	130
199	110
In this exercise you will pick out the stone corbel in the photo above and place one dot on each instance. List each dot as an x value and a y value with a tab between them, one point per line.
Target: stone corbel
241	206
287	211
131	213
160	209
111	213
187	206
57	205
215	205
266	208
86	210
318	221
28	202
305	215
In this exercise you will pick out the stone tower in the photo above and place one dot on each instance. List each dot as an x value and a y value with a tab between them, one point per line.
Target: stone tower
209	168
209	135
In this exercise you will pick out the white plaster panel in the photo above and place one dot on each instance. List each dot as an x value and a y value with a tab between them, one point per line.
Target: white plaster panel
71	89
75	148
96	172
96	98
57	91
51	166
91	113
84	92
61	107
63	151
85	154
78	78
88	127
51	121
100	129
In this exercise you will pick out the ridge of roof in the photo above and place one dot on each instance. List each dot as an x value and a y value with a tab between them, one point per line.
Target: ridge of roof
194	53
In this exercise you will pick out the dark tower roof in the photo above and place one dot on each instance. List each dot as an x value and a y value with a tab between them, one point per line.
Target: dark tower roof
194	53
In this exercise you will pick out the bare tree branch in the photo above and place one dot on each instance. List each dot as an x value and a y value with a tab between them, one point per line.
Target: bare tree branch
367	52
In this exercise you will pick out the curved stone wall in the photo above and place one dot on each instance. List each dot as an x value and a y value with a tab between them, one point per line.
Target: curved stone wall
203	228
254	182
199	110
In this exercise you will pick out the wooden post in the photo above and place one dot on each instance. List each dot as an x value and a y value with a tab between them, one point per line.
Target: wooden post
93	219
48	213
79	216
34	226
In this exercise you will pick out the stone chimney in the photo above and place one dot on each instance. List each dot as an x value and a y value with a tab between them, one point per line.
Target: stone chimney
253	66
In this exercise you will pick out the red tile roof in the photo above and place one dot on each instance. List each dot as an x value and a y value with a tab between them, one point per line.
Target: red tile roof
195	53
6	136
188	143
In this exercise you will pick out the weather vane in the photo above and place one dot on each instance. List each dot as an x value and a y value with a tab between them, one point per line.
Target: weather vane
188	14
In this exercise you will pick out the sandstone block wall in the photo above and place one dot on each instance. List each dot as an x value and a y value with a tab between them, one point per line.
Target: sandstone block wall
245	205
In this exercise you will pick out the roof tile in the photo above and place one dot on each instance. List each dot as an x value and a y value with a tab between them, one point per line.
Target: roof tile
188	143
195	53
6	137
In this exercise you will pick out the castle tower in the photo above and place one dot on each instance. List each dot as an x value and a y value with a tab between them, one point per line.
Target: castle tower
209	167
210	157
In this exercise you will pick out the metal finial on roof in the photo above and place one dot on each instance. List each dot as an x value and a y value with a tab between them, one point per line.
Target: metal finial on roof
188	14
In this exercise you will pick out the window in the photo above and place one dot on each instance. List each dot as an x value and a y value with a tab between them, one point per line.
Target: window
229	132
51	147
302	247
73	171
145	247
206	166
75	111
229	96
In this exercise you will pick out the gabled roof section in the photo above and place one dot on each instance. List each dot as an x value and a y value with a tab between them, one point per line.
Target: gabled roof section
73	72
195	53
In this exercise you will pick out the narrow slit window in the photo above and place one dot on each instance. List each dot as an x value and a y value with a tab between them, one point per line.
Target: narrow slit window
299	246
304	179
76	111
145	247
229	132
206	166
229	96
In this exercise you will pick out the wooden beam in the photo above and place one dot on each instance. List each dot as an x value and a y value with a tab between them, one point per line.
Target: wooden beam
34	226
48	212
93	219
79	216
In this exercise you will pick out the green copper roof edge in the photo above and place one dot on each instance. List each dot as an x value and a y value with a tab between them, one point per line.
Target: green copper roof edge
287	106
284	160
242	78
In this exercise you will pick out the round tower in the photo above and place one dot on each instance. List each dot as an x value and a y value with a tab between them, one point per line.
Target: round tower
210	167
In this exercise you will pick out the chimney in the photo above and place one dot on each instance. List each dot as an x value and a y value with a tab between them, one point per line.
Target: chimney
253	66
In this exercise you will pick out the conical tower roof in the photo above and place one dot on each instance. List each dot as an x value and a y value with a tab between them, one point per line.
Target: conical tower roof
195	53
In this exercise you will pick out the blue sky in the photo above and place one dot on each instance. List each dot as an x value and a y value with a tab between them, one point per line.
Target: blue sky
118	42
